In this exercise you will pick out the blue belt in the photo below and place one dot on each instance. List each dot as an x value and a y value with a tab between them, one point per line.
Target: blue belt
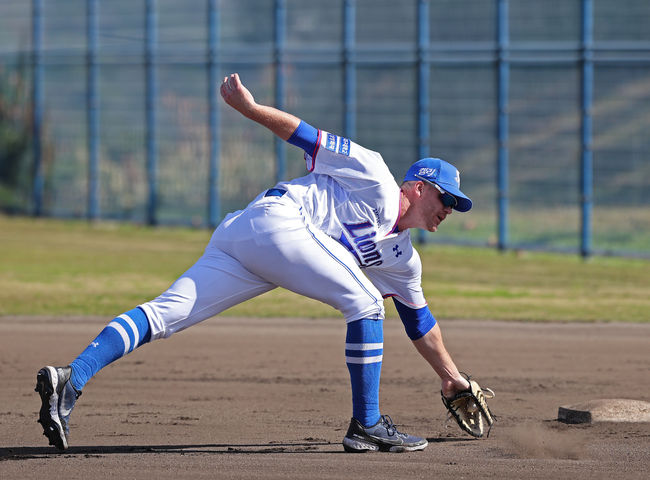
275	192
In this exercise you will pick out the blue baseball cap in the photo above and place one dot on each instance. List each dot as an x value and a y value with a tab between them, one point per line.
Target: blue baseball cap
443	174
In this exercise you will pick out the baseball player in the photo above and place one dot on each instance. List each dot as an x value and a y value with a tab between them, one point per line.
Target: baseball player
340	235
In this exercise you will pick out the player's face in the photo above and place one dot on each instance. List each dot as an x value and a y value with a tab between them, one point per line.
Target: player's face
433	212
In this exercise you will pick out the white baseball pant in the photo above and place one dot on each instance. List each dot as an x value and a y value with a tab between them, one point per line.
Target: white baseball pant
269	244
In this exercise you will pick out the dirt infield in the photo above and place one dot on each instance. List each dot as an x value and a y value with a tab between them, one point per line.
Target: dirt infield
251	398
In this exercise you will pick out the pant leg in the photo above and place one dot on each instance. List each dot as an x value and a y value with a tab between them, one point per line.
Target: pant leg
274	240
213	284
268	244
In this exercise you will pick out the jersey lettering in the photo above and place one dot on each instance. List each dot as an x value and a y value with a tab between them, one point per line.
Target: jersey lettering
361	245
366	246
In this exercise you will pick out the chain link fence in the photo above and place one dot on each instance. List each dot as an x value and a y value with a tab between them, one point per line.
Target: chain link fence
108	109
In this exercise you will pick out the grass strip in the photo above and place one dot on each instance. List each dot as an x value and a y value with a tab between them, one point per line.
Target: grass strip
55	267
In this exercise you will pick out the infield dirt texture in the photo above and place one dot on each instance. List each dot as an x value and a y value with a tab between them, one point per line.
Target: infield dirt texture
269	398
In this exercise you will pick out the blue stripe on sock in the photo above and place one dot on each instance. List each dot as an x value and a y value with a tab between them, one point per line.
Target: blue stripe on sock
364	353
140	319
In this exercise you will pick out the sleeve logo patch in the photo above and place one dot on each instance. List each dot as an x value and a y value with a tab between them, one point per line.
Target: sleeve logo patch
333	141
344	146
330	142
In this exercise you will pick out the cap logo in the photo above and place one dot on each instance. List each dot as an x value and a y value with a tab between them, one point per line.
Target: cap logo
427	172
457	178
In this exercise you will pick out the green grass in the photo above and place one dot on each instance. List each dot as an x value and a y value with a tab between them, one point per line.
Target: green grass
615	229
54	267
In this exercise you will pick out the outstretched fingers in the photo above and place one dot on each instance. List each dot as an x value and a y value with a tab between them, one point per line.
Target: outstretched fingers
227	85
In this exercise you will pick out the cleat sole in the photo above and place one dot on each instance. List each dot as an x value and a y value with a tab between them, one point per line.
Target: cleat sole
352	445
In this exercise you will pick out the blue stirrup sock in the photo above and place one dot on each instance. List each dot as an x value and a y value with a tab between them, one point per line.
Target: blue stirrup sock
364	349
123	335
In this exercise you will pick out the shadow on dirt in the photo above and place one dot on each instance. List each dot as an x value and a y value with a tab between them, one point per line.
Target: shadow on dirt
24	453
450	439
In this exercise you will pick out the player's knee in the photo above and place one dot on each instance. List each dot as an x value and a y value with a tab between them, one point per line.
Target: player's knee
171	308
370	311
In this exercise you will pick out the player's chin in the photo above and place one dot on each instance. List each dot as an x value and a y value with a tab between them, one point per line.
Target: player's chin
433	227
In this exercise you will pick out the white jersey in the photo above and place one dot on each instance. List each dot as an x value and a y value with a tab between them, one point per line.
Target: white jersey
351	195
330	235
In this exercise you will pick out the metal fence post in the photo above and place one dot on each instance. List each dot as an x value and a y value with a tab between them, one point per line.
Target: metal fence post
92	108
424	74
503	79
37	105
280	88
151	94
424	69
349	70
214	207
586	157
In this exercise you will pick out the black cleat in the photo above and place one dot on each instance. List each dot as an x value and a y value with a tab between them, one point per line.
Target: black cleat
382	437
58	397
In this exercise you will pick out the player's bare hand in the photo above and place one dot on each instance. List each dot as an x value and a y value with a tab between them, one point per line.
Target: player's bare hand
236	94
452	386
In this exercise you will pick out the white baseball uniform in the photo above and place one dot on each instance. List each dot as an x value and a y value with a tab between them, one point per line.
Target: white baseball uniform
330	235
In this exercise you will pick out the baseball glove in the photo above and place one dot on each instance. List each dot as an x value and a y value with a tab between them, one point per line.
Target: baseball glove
470	410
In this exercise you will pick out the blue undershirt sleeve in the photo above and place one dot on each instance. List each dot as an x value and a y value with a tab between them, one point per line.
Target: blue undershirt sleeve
417	321
305	137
